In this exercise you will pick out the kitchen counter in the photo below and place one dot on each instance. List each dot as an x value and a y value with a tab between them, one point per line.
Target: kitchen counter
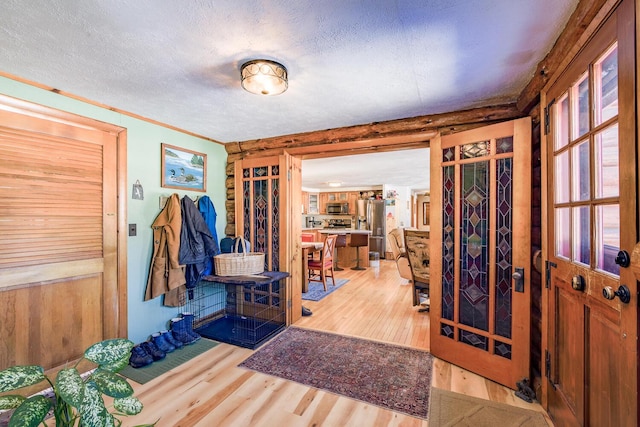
343	231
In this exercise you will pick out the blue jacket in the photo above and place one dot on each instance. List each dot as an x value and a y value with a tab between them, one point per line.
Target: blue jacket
208	212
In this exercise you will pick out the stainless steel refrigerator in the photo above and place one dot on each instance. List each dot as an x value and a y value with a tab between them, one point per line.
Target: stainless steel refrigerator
371	216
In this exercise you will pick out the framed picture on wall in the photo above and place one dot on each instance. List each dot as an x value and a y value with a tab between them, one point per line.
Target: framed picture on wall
183	169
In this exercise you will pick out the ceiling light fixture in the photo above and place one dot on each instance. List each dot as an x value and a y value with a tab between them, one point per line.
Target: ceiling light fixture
264	77
334	184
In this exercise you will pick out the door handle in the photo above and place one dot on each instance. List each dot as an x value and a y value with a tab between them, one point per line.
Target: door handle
623	259
622	293
518	276
577	283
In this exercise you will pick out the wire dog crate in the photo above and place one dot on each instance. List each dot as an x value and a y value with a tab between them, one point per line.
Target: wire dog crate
240	310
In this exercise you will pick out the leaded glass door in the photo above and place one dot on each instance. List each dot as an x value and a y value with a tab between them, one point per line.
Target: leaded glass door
267	202
480	230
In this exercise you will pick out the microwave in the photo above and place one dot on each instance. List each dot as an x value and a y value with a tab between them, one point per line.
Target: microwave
337	208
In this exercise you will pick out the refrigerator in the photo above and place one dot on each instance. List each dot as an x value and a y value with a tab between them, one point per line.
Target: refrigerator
371	216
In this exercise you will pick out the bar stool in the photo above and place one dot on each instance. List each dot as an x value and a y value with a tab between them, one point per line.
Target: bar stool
341	242
358	240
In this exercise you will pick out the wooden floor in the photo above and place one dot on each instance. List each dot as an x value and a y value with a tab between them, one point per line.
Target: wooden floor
211	390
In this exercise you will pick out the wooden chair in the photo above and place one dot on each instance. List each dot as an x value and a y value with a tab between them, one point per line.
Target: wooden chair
416	243
319	268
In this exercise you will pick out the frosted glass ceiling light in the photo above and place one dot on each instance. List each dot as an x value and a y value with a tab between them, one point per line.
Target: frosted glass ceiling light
264	77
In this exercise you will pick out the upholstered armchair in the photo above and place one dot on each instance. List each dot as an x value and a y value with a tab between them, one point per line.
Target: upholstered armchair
396	241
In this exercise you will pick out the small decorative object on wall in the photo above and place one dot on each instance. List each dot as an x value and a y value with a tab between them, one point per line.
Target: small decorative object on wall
137	193
183	169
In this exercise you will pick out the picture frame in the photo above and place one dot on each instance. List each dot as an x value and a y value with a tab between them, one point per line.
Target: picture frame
183	169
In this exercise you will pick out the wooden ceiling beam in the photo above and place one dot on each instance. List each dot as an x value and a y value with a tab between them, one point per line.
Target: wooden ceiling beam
582	24
404	133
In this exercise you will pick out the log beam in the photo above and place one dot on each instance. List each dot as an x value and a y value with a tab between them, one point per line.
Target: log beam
395	134
583	23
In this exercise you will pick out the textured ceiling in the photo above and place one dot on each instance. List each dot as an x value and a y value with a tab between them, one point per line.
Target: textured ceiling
350	62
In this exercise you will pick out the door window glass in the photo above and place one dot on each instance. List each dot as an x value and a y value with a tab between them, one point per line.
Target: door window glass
606	162
563	232
580	114
580	176
562	125
608	238
561	177
581	241
586	209
605	71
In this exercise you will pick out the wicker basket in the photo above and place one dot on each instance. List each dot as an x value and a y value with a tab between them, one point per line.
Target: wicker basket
239	264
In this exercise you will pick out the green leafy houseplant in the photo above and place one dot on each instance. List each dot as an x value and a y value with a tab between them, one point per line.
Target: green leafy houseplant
77	400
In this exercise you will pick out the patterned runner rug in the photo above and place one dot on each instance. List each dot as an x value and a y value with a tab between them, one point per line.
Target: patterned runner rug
390	376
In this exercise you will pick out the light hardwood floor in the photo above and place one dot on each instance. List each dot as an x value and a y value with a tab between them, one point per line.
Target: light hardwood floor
375	304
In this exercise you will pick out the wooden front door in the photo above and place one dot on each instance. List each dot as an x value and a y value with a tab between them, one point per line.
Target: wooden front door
268	198
591	212
61	286
480	250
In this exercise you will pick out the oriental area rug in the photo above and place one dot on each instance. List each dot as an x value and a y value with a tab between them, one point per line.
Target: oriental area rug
393	377
316	289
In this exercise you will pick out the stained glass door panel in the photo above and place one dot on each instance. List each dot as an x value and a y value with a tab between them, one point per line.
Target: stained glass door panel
480	314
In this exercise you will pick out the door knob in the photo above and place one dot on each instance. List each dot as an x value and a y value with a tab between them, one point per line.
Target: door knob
518	277
623	259
622	293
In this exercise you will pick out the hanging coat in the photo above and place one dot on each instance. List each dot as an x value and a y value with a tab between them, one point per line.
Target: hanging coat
196	243
208	212
166	275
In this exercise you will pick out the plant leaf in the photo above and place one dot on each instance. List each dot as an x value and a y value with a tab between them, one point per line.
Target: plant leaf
11	401
116	366
31	412
109	351
92	410
128	405
70	386
111	384
20	376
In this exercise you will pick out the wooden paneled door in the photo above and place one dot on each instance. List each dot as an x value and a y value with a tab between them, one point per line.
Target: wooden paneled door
591	214
268	197
480	250
62	261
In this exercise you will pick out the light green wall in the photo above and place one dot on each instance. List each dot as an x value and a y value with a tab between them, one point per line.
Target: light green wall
143	164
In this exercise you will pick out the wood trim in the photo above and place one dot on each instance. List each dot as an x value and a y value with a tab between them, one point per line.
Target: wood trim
19	276
100	105
123	266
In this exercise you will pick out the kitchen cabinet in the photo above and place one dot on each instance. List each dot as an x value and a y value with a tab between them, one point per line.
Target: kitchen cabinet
352	199
313	203
322	203
310	203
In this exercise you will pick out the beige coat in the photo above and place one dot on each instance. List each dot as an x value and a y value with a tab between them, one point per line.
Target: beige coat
166	275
